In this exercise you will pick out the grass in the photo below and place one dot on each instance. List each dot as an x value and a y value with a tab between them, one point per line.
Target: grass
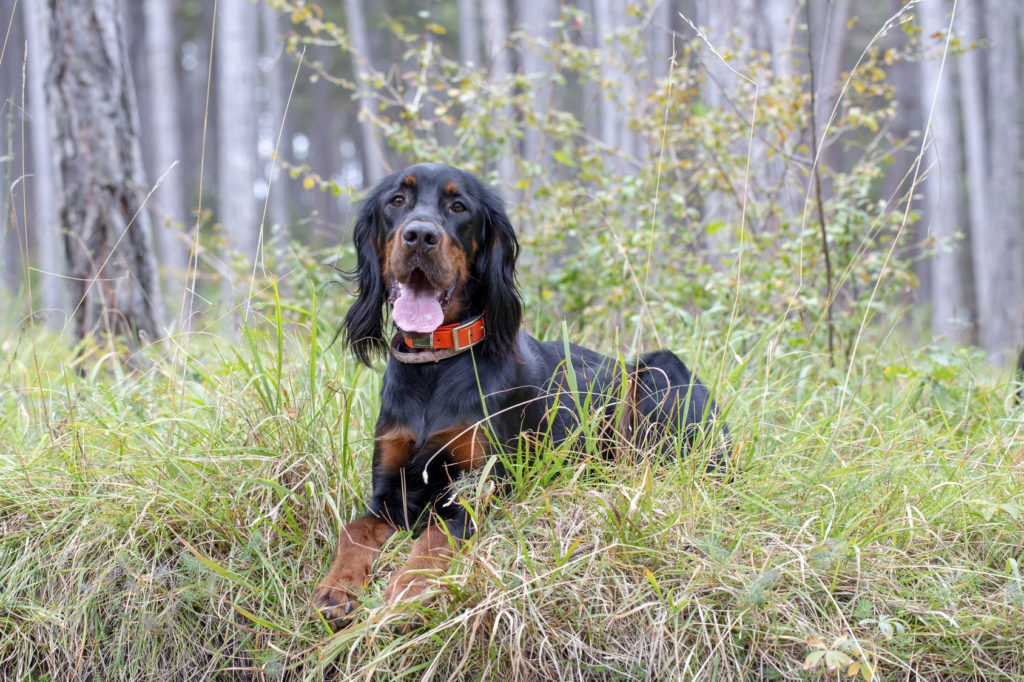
170	524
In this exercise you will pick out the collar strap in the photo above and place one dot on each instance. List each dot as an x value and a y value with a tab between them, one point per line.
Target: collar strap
456	337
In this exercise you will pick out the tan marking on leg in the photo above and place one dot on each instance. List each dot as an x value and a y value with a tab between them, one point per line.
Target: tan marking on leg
393	449
358	545
428	559
466	443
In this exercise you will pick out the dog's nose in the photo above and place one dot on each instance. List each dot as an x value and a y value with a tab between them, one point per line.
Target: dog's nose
421	236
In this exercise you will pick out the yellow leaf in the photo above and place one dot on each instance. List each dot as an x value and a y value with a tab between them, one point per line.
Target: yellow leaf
436	28
308	182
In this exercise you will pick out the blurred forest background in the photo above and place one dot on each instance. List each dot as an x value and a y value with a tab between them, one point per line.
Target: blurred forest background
822	169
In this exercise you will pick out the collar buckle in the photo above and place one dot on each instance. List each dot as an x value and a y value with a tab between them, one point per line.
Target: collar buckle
457	344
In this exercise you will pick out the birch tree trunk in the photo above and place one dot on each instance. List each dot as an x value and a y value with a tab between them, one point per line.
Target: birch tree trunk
829	22
324	133
534	21
469	32
972	109
997	244
99	177
234	43
277	90
44	221
373	158
951	315
495	22
619	92
168	204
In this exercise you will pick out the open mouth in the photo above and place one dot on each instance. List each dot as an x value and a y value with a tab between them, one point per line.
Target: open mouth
417	306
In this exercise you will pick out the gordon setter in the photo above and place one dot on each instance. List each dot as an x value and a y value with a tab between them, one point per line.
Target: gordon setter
463	380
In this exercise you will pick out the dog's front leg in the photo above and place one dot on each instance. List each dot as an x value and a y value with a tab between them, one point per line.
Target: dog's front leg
429	558
360	541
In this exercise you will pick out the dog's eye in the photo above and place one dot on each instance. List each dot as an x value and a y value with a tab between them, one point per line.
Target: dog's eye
397	200
458	207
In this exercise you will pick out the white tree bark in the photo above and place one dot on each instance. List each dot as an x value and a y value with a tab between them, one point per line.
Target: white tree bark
168	204
717	18
495	24
534	21
98	170
373	157
43	219
235	55
779	23
970	68
619	94
469	32
277	86
951	315
996	244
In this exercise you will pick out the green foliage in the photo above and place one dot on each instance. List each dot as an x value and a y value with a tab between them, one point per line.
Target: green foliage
711	213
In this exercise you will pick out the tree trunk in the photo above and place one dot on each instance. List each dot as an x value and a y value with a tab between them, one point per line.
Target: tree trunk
830	33
619	96
373	158
534	22
44	221
12	250
168	204
972	108
323	137
99	176
495	23
469	33
997	242
718	19
235	48
779	17
277	87
951	318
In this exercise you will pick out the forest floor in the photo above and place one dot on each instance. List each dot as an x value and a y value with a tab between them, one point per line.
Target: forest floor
170	522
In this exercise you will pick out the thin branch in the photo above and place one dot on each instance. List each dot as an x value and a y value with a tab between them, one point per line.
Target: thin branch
815	168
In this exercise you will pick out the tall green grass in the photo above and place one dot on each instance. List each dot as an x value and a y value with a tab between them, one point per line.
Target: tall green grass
170	523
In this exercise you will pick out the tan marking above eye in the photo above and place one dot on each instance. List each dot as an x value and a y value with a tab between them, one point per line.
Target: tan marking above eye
451	188
409	180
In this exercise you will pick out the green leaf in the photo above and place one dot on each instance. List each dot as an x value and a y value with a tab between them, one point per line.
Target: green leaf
562	158
814	658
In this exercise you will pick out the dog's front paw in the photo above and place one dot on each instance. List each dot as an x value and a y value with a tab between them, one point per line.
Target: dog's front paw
406	585
334	601
409	587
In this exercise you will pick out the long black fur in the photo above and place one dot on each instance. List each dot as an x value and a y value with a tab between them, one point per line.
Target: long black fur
364	321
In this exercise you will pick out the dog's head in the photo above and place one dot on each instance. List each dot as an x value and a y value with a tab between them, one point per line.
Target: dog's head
436	245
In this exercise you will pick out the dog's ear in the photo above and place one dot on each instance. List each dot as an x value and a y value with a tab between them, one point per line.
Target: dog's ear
496	271
364	321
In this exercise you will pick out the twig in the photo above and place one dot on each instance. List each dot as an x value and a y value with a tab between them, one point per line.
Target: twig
817	192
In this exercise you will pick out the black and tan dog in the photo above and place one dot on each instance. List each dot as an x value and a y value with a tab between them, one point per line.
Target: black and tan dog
462	379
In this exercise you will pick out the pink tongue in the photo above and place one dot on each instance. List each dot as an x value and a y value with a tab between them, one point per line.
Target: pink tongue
417	310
